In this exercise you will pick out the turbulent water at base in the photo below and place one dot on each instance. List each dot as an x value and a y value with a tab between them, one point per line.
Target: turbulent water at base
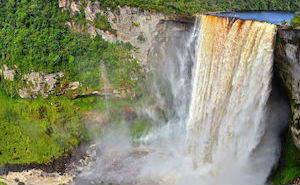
219	125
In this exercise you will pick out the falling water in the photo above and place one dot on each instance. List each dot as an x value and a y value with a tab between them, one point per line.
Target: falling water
214	83
230	89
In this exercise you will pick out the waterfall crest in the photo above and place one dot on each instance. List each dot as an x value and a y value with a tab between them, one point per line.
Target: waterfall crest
231	86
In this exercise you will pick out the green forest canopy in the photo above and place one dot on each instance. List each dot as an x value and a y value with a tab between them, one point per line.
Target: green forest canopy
195	6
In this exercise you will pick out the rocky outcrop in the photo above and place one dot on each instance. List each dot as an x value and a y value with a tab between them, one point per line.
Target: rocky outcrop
7	74
287	66
37	83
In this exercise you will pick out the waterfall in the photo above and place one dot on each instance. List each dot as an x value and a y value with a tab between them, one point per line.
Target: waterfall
220	126
230	89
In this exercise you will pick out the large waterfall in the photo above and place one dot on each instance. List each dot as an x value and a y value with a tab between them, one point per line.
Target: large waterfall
214	85
230	89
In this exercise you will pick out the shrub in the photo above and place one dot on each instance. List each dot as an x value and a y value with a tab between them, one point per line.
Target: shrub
289	164
135	24
102	23
141	38
295	22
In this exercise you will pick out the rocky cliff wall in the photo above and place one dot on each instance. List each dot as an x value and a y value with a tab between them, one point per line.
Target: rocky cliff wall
287	67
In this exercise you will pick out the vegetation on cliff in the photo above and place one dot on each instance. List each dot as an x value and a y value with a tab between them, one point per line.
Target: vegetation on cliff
34	37
295	22
101	23
288	168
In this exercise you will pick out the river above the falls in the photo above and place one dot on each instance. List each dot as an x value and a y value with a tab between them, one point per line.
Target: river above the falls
274	17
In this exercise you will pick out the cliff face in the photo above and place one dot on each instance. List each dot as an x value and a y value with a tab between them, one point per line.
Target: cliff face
141	28
287	65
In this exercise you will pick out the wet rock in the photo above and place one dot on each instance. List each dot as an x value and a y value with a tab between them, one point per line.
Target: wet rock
287	66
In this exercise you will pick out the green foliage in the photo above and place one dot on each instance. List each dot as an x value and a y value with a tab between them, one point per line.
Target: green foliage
140	128
195	6
80	17
35	37
99	105
123	71
289	165
284	22
37	130
141	38
102	23
135	24
295	22
23	45
2	183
